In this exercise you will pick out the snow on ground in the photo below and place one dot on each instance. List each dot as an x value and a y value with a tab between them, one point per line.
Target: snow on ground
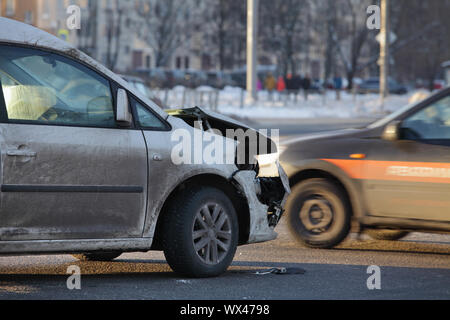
317	105
233	101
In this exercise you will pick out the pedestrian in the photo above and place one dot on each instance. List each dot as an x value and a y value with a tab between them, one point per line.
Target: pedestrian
306	84
270	84
288	82
281	84
337	81
296	85
259	85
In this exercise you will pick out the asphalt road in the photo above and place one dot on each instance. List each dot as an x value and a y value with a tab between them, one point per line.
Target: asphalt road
417	267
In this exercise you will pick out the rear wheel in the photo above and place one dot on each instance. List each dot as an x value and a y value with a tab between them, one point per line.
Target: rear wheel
99	256
390	235
200	232
319	213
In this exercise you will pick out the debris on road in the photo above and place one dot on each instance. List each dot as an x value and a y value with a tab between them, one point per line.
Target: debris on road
278	271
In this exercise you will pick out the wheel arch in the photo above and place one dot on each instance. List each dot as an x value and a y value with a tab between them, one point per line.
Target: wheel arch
212	180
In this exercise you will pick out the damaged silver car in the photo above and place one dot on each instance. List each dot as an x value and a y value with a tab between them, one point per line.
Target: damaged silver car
86	167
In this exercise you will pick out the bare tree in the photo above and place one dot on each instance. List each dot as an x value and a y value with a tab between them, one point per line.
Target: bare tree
423	30
228	26
222	18
222	28
325	24
87	35
351	34
114	16
163	24
284	30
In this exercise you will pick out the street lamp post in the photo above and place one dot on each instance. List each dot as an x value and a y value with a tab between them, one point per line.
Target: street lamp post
384	51
252	42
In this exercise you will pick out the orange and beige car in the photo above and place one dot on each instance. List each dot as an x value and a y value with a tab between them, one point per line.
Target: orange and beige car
391	177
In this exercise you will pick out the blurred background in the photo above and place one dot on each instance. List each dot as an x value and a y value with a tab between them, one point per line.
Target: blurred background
193	52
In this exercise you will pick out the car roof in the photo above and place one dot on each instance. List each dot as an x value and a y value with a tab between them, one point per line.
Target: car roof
131	78
15	32
18	32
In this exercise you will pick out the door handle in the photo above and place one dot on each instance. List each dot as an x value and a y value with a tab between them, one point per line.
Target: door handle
21	153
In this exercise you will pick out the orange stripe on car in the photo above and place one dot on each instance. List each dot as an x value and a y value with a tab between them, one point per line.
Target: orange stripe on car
394	170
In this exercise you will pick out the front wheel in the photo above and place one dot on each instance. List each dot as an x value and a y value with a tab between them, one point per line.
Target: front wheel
200	232
319	214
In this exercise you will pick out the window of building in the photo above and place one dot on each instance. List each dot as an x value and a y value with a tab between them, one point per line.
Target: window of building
28	17
46	10
10	7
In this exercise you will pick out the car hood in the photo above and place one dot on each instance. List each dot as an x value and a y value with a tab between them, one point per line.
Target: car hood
222	123
323	145
337	134
202	114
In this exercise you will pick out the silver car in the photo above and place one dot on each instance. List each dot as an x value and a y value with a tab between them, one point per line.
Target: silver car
87	167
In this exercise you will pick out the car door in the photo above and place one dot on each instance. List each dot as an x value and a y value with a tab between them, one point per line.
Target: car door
68	170
410	178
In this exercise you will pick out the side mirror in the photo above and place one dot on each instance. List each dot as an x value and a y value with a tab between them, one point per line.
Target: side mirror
392	131
123	110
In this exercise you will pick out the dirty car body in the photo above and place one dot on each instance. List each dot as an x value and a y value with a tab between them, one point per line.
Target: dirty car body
86	164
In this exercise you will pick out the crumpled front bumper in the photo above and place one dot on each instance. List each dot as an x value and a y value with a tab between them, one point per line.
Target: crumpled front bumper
263	216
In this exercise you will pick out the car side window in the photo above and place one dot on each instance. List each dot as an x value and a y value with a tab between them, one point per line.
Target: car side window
430	123
45	88
147	119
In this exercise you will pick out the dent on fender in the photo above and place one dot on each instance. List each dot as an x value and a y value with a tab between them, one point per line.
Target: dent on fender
259	226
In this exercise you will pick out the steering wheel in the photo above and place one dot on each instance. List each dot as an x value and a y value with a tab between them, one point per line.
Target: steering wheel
49	115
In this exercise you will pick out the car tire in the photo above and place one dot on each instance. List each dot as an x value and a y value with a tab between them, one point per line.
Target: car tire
389	235
319	214
99	256
200	232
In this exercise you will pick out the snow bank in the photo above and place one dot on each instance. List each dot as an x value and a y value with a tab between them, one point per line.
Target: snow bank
284	107
233	101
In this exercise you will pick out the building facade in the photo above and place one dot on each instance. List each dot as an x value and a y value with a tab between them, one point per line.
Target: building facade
117	33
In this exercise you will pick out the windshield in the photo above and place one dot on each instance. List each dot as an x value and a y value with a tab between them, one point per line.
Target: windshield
391	117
